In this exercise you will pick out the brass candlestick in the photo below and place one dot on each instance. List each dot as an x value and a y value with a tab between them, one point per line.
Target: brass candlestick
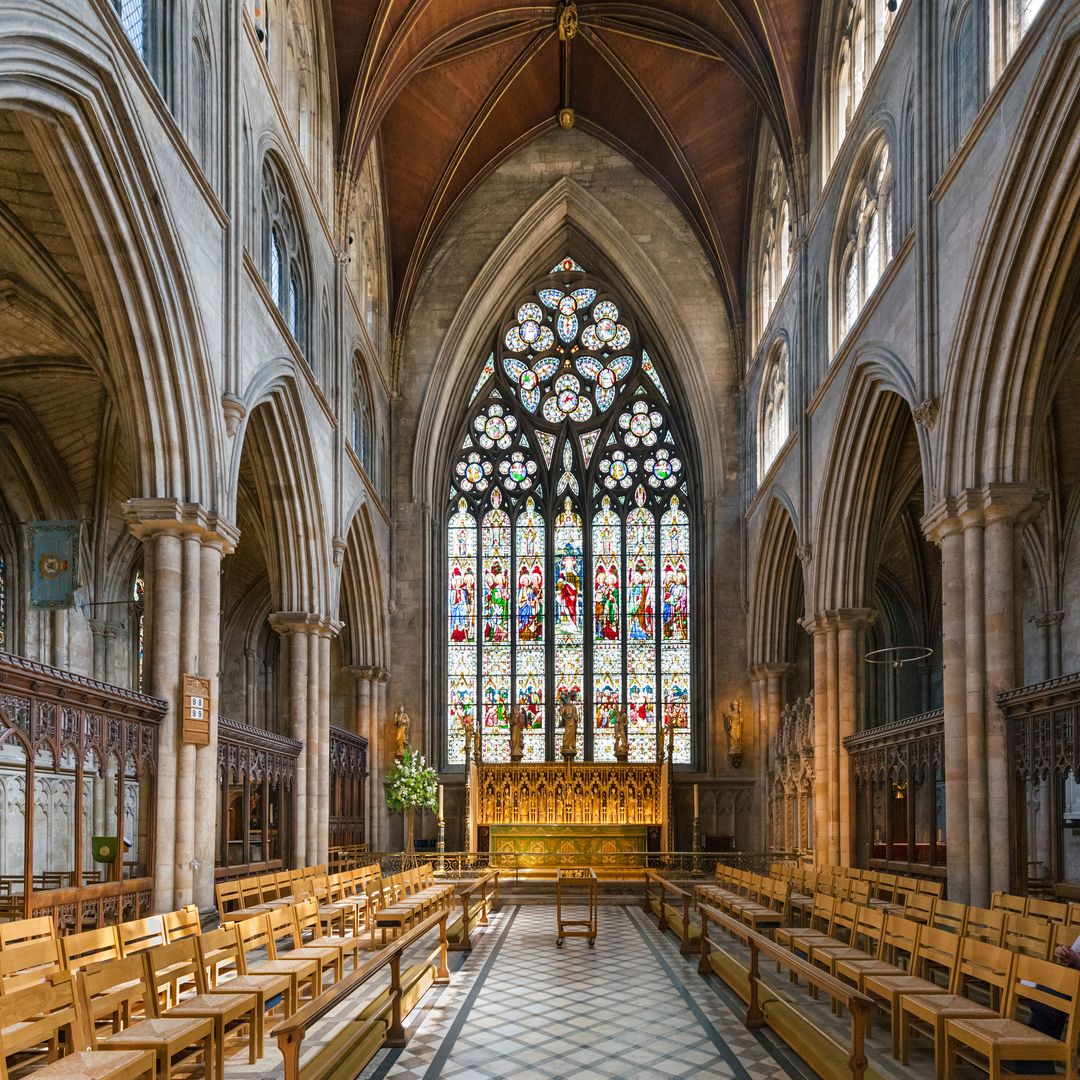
695	847
440	842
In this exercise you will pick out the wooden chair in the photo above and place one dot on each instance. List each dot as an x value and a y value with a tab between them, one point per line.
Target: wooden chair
930	888
309	931
268	886
25	965
90	947
938	951
285	944
24	931
219	957
180	924
865	942
919	907
927	1013
179	962
253	935
985	924
227	895
140	934
951	916
899	940
1028	936
117	993
250	892
1002	1040
820	921
1050	910
47	1013
841	930
1003	901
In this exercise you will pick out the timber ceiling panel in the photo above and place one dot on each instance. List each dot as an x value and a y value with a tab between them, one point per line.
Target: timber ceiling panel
450	87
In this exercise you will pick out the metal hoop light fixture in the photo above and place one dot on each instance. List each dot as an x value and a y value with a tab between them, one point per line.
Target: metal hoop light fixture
897	656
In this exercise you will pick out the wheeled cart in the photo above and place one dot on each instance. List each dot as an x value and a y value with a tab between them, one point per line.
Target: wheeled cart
575	878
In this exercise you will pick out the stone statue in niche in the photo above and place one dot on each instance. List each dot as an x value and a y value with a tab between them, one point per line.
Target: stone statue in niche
517	734
568	713
733	725
401	730
622	737
469	733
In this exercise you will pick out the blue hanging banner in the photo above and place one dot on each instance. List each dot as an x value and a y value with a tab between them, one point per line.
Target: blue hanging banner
54	563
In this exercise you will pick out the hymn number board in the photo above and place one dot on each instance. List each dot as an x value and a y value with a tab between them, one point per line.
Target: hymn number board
196	724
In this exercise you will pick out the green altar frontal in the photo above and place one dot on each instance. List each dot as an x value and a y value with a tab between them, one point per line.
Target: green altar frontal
548	846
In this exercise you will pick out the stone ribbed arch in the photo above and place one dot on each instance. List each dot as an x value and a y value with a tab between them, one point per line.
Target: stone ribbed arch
855	487
276	435
154	357
565	214
999	386
773	592
361	601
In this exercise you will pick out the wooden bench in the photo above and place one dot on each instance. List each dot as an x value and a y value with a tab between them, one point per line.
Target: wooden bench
674	916
377	1023
478	898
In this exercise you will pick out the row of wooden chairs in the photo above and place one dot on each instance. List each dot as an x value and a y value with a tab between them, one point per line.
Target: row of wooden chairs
229	976
408	898
946	981
260	888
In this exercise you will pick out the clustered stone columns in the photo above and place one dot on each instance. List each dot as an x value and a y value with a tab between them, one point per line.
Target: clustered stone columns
305	644
838	695
105	634
978	532
371	686
767	696
183	546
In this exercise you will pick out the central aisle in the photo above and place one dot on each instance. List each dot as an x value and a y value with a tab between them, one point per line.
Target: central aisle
520	1007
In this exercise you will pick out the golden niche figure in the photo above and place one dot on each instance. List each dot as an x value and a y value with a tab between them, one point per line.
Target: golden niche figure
401	730
469	734
733	725
622	737
517	734
569	714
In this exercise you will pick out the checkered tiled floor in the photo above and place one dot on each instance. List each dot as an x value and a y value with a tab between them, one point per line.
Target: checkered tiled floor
631	1007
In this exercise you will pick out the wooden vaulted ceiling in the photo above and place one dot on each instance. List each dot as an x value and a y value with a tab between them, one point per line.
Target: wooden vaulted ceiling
451	87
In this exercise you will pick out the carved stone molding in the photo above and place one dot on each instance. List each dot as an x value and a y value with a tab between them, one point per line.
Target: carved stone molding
926	412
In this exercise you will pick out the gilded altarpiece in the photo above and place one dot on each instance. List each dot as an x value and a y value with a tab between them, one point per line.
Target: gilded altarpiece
541	814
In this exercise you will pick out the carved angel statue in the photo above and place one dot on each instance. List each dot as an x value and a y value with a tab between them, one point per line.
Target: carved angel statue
517	733
401	730
569	714
622	734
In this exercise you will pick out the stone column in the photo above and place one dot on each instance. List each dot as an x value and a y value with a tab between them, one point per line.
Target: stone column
761	740
311	748
58	633
207	802
251	689
294	630
949	535
329	630
377	753
851	626
177	615
1006	509
821	744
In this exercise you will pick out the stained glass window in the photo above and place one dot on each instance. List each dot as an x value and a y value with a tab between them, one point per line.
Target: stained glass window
569	530
133	19
138	618
3	603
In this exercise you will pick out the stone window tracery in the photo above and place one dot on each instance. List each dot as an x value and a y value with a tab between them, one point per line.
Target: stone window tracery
860	35
866	244
773	238
284	259
569	514
773	417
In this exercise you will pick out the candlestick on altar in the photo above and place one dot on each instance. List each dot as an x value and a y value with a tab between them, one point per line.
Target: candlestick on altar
695	801
695	846
441	801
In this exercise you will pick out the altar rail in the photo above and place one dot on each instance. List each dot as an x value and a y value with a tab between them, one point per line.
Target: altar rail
465	864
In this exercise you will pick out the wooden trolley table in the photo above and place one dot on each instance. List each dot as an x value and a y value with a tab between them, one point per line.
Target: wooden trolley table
585	928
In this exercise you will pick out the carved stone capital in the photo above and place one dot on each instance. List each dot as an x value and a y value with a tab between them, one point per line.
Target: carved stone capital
926	412
235	411
152	517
